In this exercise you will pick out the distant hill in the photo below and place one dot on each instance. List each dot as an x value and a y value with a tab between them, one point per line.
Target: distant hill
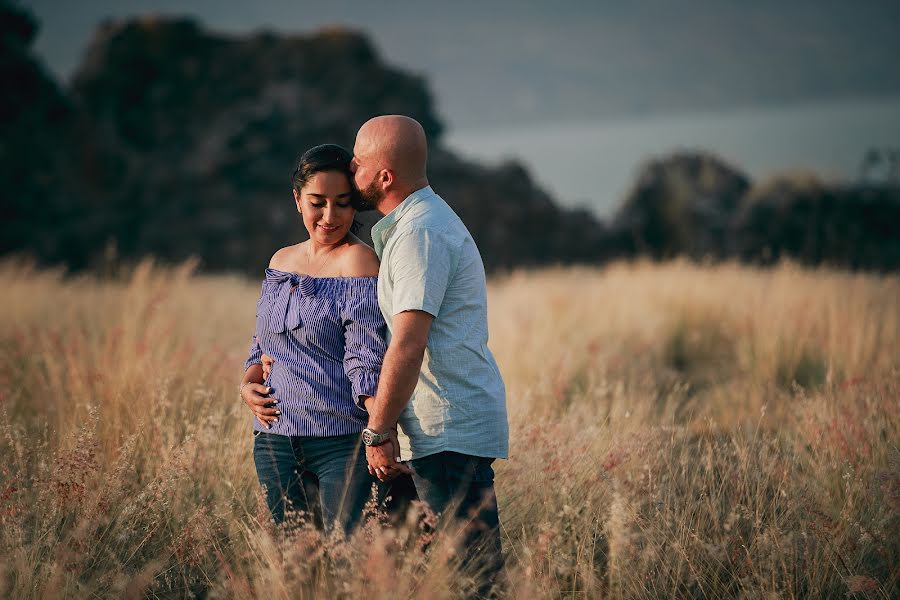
696	205
175	141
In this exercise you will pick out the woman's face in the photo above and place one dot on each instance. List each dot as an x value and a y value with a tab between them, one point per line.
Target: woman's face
324	204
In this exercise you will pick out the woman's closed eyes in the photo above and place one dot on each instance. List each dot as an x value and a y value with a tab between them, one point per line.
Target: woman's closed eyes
322	204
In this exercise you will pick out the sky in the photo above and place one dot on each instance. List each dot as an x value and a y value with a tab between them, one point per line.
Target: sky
506	63
585	92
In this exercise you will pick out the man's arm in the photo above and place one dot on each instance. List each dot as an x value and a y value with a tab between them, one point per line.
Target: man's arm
399	374
400	369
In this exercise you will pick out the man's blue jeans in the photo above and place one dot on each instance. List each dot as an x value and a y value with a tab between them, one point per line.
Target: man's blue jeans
461	487
325	477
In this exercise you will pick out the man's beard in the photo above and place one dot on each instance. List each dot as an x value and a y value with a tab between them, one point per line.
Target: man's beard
371	195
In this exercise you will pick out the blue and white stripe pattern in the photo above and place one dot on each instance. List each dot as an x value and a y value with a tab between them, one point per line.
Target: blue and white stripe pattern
327	336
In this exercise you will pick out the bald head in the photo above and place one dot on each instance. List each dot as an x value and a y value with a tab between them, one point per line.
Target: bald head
397	143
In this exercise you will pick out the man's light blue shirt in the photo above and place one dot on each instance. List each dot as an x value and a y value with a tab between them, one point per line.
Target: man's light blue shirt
429	262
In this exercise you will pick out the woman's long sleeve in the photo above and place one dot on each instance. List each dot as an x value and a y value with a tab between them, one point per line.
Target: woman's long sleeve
364	344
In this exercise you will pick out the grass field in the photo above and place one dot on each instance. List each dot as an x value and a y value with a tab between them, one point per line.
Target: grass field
677	430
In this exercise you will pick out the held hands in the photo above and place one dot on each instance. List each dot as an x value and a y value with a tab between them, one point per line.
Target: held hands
384	460
262	407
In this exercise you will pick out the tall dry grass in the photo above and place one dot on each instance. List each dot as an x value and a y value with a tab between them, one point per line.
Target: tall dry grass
677	430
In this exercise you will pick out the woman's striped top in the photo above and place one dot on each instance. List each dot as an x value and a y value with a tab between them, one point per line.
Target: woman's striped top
327	336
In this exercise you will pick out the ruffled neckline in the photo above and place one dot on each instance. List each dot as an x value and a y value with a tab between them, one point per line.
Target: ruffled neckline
285	282
303	275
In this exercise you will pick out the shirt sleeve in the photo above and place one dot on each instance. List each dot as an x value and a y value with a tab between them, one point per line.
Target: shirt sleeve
254	356
364	343
422	263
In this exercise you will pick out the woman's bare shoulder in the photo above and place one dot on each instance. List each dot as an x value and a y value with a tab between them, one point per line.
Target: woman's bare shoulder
285	258
359	260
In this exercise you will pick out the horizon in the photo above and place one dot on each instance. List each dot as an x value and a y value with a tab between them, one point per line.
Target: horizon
203	123
828	139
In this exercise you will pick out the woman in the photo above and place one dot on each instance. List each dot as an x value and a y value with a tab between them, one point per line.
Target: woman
318	318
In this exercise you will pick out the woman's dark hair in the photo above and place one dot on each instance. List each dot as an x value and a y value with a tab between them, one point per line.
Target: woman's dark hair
327	157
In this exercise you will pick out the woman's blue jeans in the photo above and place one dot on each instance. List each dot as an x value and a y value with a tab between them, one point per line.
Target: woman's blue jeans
324	477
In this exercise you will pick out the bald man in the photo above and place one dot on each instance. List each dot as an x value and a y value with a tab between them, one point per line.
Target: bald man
439	380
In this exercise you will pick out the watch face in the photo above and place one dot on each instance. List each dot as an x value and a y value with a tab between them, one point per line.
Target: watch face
367	437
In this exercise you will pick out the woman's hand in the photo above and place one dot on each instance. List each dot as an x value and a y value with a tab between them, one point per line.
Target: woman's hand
253	396
267	362
384	460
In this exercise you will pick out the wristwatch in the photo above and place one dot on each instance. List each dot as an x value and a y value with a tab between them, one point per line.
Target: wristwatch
371	438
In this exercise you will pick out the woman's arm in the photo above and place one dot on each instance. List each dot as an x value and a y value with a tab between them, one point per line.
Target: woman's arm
258	366
363	323
251	389
364	333
251	392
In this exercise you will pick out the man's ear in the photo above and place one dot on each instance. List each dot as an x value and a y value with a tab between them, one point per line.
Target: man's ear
387	179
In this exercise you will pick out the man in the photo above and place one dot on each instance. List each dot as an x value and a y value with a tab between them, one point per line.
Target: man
438	380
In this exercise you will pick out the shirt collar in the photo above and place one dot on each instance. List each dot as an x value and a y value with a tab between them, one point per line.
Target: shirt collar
381	229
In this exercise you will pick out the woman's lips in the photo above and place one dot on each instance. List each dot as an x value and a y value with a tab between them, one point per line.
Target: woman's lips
328	229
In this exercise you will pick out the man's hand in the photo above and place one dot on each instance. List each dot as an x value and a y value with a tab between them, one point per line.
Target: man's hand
263	408
384	460
267	362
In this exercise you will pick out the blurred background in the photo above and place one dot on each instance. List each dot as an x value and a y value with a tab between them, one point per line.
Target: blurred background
565	132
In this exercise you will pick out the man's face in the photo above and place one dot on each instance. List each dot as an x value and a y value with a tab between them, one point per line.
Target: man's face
365	179
372	194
